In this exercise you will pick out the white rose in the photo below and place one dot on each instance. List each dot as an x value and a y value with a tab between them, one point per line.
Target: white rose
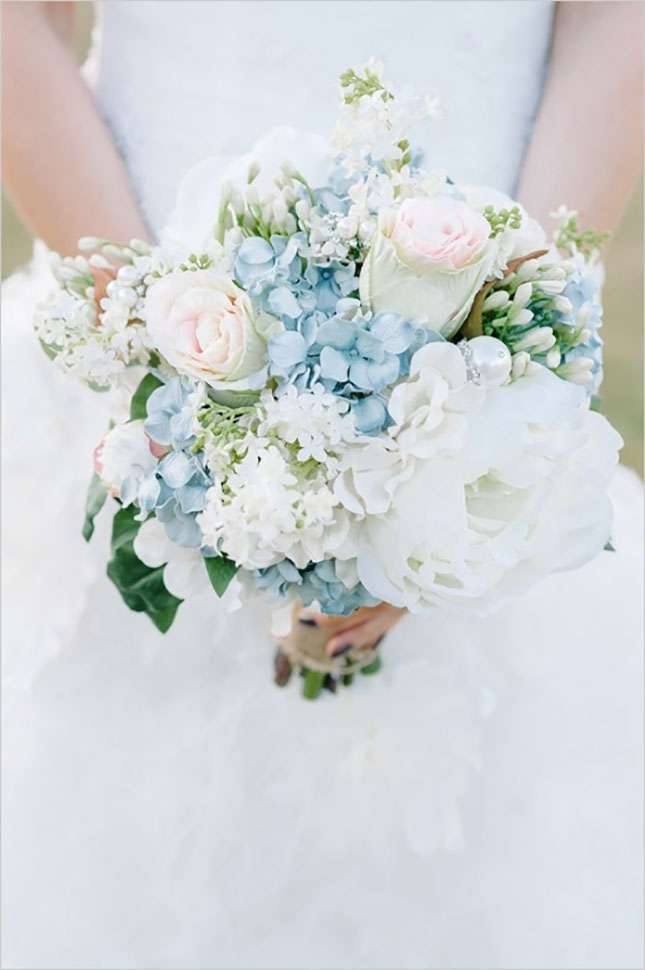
429	259
122	453
205	327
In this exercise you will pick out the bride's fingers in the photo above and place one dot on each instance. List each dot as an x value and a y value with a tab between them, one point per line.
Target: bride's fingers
325	621
362	635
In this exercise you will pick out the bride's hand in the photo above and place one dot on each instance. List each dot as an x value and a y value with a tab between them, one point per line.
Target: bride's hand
363	629
102	277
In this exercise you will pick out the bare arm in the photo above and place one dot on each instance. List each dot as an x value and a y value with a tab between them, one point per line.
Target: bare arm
60	165
586	148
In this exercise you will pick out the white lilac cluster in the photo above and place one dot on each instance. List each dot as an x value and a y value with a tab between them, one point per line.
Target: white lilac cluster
374	123
367	383
93	325
282	456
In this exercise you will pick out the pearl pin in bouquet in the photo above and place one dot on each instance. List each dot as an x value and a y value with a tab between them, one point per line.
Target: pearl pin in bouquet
488	361
349	380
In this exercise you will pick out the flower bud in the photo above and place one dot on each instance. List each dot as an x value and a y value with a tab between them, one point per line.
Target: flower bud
496	300
523	294
538	341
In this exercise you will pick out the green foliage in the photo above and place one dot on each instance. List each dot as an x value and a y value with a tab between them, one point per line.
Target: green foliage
49	350
587	241
373	667
139	400
312	684
96	496
141	587
502	219
220	571
356	87
195	262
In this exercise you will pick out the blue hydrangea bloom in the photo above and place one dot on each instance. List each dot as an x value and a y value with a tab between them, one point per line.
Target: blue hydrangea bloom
317	582
260	262
176	490
170	416
357	358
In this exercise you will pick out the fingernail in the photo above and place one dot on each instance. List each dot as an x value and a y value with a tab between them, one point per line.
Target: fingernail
307	622
281	669
344	648
375	645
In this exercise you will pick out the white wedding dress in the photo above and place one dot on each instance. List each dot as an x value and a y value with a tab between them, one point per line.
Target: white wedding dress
475	805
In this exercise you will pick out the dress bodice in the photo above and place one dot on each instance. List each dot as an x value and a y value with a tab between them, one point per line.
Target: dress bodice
179	80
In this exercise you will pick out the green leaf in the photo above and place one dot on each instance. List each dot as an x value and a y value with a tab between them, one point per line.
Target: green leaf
220	571
609	546
141	587
312	684
139	400
49	350
96	496
373	667
124	528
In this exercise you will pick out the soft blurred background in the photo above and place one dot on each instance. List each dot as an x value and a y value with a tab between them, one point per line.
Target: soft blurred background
622	391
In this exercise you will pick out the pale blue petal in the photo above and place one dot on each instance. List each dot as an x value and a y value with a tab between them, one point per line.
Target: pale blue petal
333	364
370	346
149	491
255	251
282	302
287	349
338	333
383	374
176	469
369	415
192	498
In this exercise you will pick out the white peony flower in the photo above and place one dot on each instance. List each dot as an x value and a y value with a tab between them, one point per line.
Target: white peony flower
124	452
527	495
205	326
429	259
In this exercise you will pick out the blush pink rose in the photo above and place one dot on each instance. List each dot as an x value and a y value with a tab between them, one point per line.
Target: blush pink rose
205	327
439	232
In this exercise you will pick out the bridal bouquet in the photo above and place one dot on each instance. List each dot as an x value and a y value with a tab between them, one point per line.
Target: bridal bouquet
350	380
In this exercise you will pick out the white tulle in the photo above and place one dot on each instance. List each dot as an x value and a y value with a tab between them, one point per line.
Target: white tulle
477	804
